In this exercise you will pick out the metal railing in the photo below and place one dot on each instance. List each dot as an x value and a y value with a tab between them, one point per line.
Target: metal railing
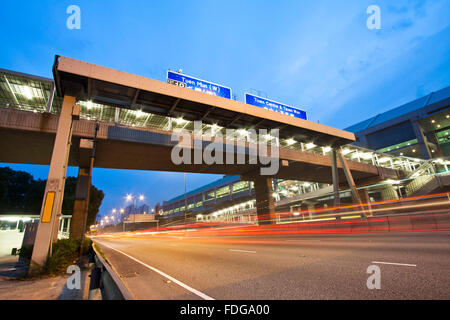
105	283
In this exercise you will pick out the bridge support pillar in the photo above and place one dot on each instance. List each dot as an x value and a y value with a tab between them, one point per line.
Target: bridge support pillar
311	209
54	189
351	182
265	204
81	203
335	174
364	196
82	192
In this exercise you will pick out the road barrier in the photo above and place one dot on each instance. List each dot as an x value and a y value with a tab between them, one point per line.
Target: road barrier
105	283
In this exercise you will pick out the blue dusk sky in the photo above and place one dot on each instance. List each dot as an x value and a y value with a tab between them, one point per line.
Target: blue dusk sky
319	56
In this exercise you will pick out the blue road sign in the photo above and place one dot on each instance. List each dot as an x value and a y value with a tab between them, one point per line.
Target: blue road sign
274	106
183	80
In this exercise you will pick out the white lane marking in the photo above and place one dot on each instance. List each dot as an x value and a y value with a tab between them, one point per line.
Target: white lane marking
395	263
246	251
181	284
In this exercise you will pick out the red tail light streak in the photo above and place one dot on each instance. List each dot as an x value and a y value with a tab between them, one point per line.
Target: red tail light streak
421	213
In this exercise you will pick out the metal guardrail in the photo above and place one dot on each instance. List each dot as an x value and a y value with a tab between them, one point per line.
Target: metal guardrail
105	283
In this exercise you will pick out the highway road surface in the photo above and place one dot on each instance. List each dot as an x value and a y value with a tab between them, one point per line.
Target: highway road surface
412	265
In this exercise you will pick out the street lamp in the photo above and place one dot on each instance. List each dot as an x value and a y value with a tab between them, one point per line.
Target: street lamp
130	197
113	213
122	211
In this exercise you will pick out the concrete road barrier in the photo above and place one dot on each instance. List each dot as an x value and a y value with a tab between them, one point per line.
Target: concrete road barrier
105	283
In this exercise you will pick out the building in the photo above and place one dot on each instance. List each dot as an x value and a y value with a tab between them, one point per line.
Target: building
210	197
419	128
231	197
12	230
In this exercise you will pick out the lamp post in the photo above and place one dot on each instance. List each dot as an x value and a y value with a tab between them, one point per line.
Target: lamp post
113	215
132	197
122	211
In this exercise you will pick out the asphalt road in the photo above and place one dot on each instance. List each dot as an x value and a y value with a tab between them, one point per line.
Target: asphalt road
414	265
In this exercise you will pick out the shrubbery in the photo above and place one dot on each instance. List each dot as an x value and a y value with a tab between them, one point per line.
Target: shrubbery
65	252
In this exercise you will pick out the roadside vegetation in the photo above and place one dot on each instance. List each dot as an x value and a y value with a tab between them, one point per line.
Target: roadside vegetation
65	252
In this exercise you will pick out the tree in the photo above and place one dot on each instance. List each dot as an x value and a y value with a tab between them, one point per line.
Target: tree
20	193
95	200
14	190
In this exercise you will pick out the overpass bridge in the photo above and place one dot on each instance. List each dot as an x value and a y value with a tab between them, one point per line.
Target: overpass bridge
92	116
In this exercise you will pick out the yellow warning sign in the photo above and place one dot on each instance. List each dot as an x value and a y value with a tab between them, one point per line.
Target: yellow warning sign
48	207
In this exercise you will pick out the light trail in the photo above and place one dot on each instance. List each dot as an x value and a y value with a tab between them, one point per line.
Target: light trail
421	213
395	263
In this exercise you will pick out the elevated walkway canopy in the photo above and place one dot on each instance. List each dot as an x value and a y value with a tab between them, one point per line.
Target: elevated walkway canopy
101	85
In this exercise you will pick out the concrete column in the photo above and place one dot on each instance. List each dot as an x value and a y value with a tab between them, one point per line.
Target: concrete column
335	175
364	196
54	189
424	149
80	204
265	205
304	207
350	181
116	115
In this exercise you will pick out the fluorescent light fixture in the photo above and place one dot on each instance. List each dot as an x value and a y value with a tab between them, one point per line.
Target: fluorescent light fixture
243	132
346	151
27	92
390	181
366	156
180	120
290	141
